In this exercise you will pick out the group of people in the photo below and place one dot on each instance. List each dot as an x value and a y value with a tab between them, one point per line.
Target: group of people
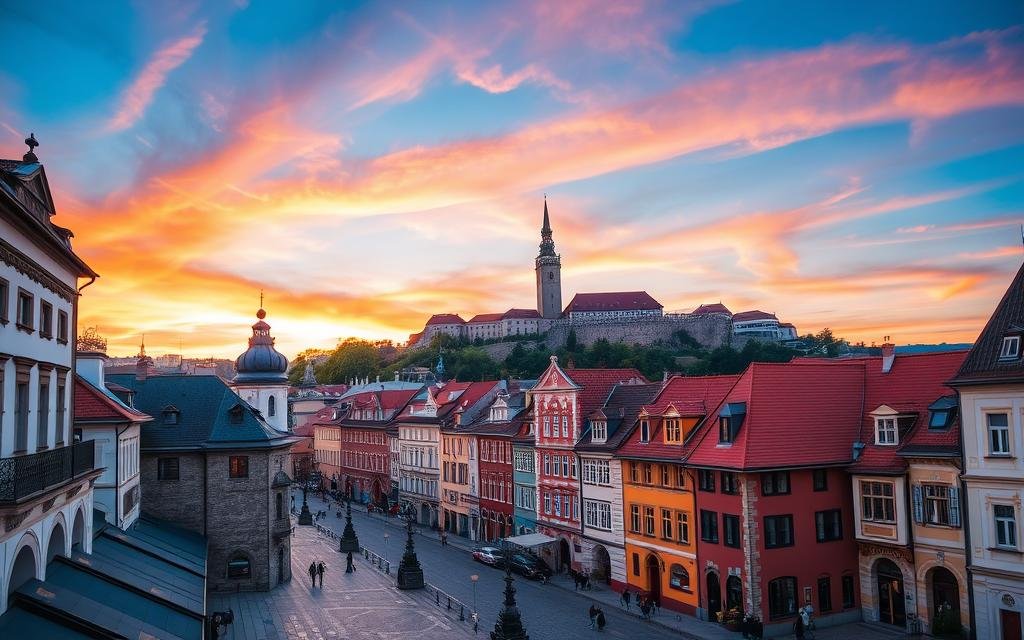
804	622
581	580
648	604
597	620
317	570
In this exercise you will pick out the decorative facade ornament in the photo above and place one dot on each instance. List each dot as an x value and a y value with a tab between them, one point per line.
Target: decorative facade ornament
29	268
12	522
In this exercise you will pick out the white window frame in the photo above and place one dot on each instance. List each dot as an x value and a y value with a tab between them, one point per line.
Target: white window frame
1004	431
597	514
1007	526
1010	349
599	431
886	431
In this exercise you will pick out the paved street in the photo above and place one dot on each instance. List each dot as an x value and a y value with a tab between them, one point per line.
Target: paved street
360	606
549	611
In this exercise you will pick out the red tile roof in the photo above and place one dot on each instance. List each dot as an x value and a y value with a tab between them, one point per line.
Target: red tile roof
795	416
690	396
615	301
743	316
521	313
597	384
716	307
913	383
445	318
487	317
92	405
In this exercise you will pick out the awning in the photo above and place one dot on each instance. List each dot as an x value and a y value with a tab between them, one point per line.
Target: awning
530	540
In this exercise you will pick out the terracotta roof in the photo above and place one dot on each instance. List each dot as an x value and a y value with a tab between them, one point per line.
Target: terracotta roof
520	313
486	317
445	318
803	415
615	301
913	383
304	431
716	307
983	363
597	383
93	405
690	396
743	316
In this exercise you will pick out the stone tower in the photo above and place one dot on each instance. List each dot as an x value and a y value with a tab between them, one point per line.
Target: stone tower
549	273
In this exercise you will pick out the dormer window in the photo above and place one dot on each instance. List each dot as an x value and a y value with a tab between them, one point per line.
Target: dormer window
235	414
885	431
645	431
724	430
730	419
673	431
170	414
600	431
1011	348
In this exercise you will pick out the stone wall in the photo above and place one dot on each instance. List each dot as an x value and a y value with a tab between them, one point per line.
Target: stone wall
238	520
709	331
179	501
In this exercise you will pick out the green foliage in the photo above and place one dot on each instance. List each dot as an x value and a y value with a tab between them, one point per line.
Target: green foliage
351	359
571	341
824	343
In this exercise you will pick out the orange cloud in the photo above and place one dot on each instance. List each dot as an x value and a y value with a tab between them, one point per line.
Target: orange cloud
139	94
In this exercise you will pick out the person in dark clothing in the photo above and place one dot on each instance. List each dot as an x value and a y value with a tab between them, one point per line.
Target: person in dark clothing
321	568
312	573
626	597
600	620
593	616
798	628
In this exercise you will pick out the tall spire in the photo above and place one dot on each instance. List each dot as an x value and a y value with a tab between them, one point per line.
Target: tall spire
547	245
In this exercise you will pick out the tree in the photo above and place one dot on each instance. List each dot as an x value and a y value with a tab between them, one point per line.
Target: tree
352	358
471	364
571	342
91	340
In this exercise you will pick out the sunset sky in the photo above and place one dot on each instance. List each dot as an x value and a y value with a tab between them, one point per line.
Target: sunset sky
860	169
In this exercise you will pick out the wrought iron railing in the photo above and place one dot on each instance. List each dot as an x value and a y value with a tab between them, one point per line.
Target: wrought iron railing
24	476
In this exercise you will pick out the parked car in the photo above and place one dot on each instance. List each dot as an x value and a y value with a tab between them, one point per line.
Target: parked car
530	566
489	555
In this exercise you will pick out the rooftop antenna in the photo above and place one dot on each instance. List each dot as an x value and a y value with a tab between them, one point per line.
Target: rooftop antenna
261	298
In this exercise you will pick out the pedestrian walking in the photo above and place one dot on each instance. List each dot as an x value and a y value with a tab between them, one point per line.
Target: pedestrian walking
626	597
593	616
321	568
798	628
444	538
600	620
312	573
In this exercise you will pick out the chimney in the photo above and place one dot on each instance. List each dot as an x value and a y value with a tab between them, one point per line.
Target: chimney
89	365
888	355
396	376
378	378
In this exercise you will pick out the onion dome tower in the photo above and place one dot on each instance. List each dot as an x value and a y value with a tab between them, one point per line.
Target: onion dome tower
261	375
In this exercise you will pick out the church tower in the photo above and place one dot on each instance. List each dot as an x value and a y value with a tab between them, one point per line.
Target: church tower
549	273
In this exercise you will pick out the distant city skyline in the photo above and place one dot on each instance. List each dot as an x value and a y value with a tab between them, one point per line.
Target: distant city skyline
367	166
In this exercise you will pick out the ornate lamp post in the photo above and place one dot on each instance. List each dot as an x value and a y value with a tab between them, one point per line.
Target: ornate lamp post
473	578
309	483
348	542
386	536
410	573
509	625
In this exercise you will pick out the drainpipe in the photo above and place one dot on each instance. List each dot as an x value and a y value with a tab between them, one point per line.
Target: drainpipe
117	475
965	519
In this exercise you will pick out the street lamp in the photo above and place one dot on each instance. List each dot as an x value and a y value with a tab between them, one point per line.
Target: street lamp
348	542
473	578
386	536
510	624
410	573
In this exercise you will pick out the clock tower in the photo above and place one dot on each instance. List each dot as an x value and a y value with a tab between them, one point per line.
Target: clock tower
549	273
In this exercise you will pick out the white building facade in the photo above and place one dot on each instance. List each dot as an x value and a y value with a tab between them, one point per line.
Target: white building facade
991	389
46	497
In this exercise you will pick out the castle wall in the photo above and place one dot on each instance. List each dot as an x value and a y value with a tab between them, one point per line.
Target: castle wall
709	331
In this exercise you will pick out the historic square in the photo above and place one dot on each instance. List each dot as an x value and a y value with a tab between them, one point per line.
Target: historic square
539	319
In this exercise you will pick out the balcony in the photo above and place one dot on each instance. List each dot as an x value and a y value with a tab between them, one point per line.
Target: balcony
22	477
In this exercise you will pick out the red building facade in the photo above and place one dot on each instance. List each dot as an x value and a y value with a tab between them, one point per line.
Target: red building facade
560	403
774	513
496	507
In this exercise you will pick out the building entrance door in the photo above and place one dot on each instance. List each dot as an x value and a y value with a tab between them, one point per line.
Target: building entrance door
1009	622
891	606
714	596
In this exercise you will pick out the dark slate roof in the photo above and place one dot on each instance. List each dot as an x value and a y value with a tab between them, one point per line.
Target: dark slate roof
621	410
132	585
983	364
205	405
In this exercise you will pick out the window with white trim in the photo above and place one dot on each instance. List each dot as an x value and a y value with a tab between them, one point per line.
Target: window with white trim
596	471
998	433
885	431
877	501
1006	526
524	461
599	431
1010	349
598	514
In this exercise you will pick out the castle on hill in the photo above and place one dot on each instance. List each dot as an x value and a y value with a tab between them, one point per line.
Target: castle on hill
638	308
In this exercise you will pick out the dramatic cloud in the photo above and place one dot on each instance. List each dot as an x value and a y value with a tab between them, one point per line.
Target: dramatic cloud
139	94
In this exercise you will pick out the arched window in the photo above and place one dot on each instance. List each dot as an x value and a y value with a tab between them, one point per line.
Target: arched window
679	578
733	593
271	406
238	566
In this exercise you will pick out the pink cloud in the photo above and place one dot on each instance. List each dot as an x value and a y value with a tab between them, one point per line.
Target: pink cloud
137	97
